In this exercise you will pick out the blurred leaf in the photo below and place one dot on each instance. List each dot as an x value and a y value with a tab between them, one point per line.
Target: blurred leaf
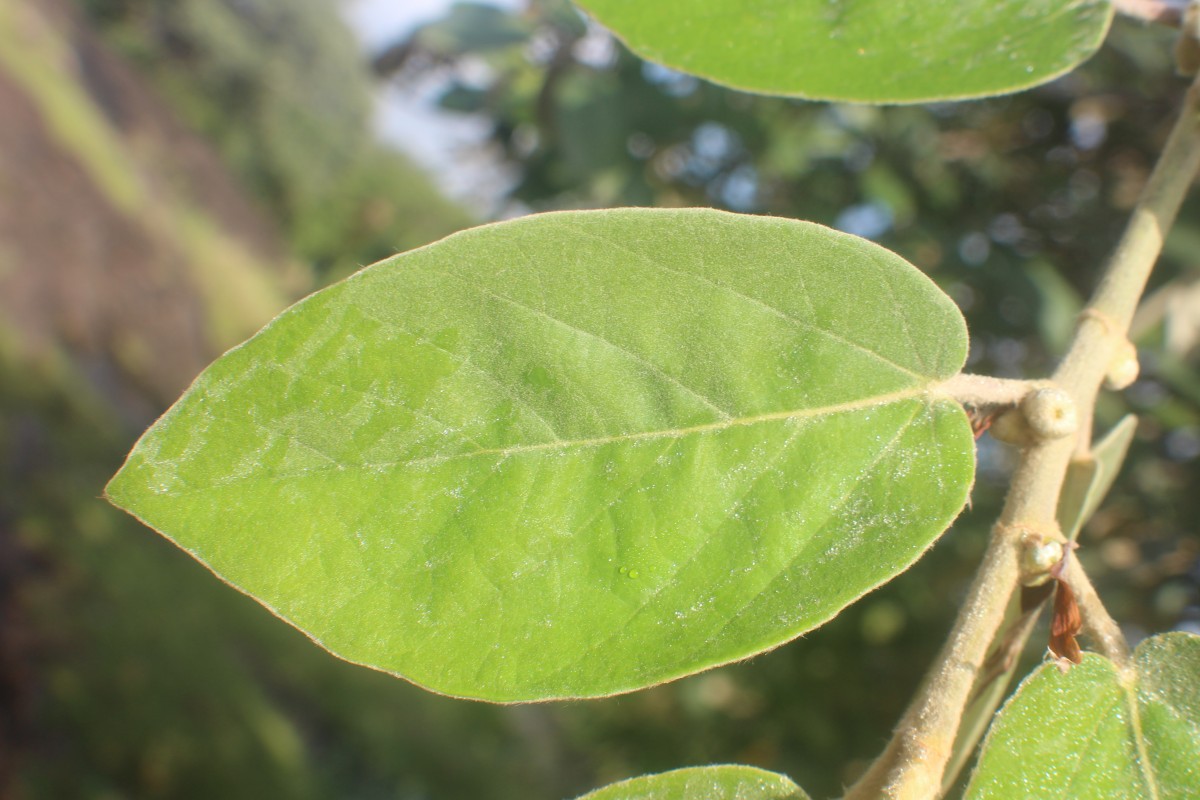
884	185
726	782
574	454
1181	376
1059	308
463	99
474	26
886	51
1095	732
1089	480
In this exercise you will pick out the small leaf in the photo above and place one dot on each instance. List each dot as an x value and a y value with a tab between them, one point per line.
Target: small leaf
875	51
726	782
574	454
1095	732
1088	480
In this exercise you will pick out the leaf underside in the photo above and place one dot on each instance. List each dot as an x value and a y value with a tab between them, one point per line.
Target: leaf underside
725	782
1095	732
574	454
876	51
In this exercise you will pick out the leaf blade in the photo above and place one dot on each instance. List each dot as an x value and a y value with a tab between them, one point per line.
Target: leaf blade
513	509
875	51
723	782
1095	732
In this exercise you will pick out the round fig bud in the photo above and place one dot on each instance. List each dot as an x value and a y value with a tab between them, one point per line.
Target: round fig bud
1050	413
1124	368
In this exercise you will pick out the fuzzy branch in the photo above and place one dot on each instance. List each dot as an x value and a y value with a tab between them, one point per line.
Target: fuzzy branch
912	765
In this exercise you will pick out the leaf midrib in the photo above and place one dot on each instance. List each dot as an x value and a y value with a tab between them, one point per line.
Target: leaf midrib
1129	691
732	422
795	415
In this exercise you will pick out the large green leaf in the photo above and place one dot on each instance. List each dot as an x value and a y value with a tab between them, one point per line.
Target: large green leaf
574	454
1095	732
726	782
877	51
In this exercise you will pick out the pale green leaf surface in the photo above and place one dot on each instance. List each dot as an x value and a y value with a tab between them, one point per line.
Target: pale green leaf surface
1088	481
574	454
878	51
725	782
1094	732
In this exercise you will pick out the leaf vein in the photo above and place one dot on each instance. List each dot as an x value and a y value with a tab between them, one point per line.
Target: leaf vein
796	321
669	581
653	368
884	452
1139	740
465	361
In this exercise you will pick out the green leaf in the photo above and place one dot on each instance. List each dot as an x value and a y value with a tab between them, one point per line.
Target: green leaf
1095	732
474	27
1058	307
1088	480
875	51
726	782
574	454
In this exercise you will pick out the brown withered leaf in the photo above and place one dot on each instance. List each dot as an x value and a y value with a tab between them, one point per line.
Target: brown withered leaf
1065	625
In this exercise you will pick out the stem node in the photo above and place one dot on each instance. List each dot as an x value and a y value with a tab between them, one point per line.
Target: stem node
1124	369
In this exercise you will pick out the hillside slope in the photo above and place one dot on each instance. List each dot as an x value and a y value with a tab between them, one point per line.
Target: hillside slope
129	257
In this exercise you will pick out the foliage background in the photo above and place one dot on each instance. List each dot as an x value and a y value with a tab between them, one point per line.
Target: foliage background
249	176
